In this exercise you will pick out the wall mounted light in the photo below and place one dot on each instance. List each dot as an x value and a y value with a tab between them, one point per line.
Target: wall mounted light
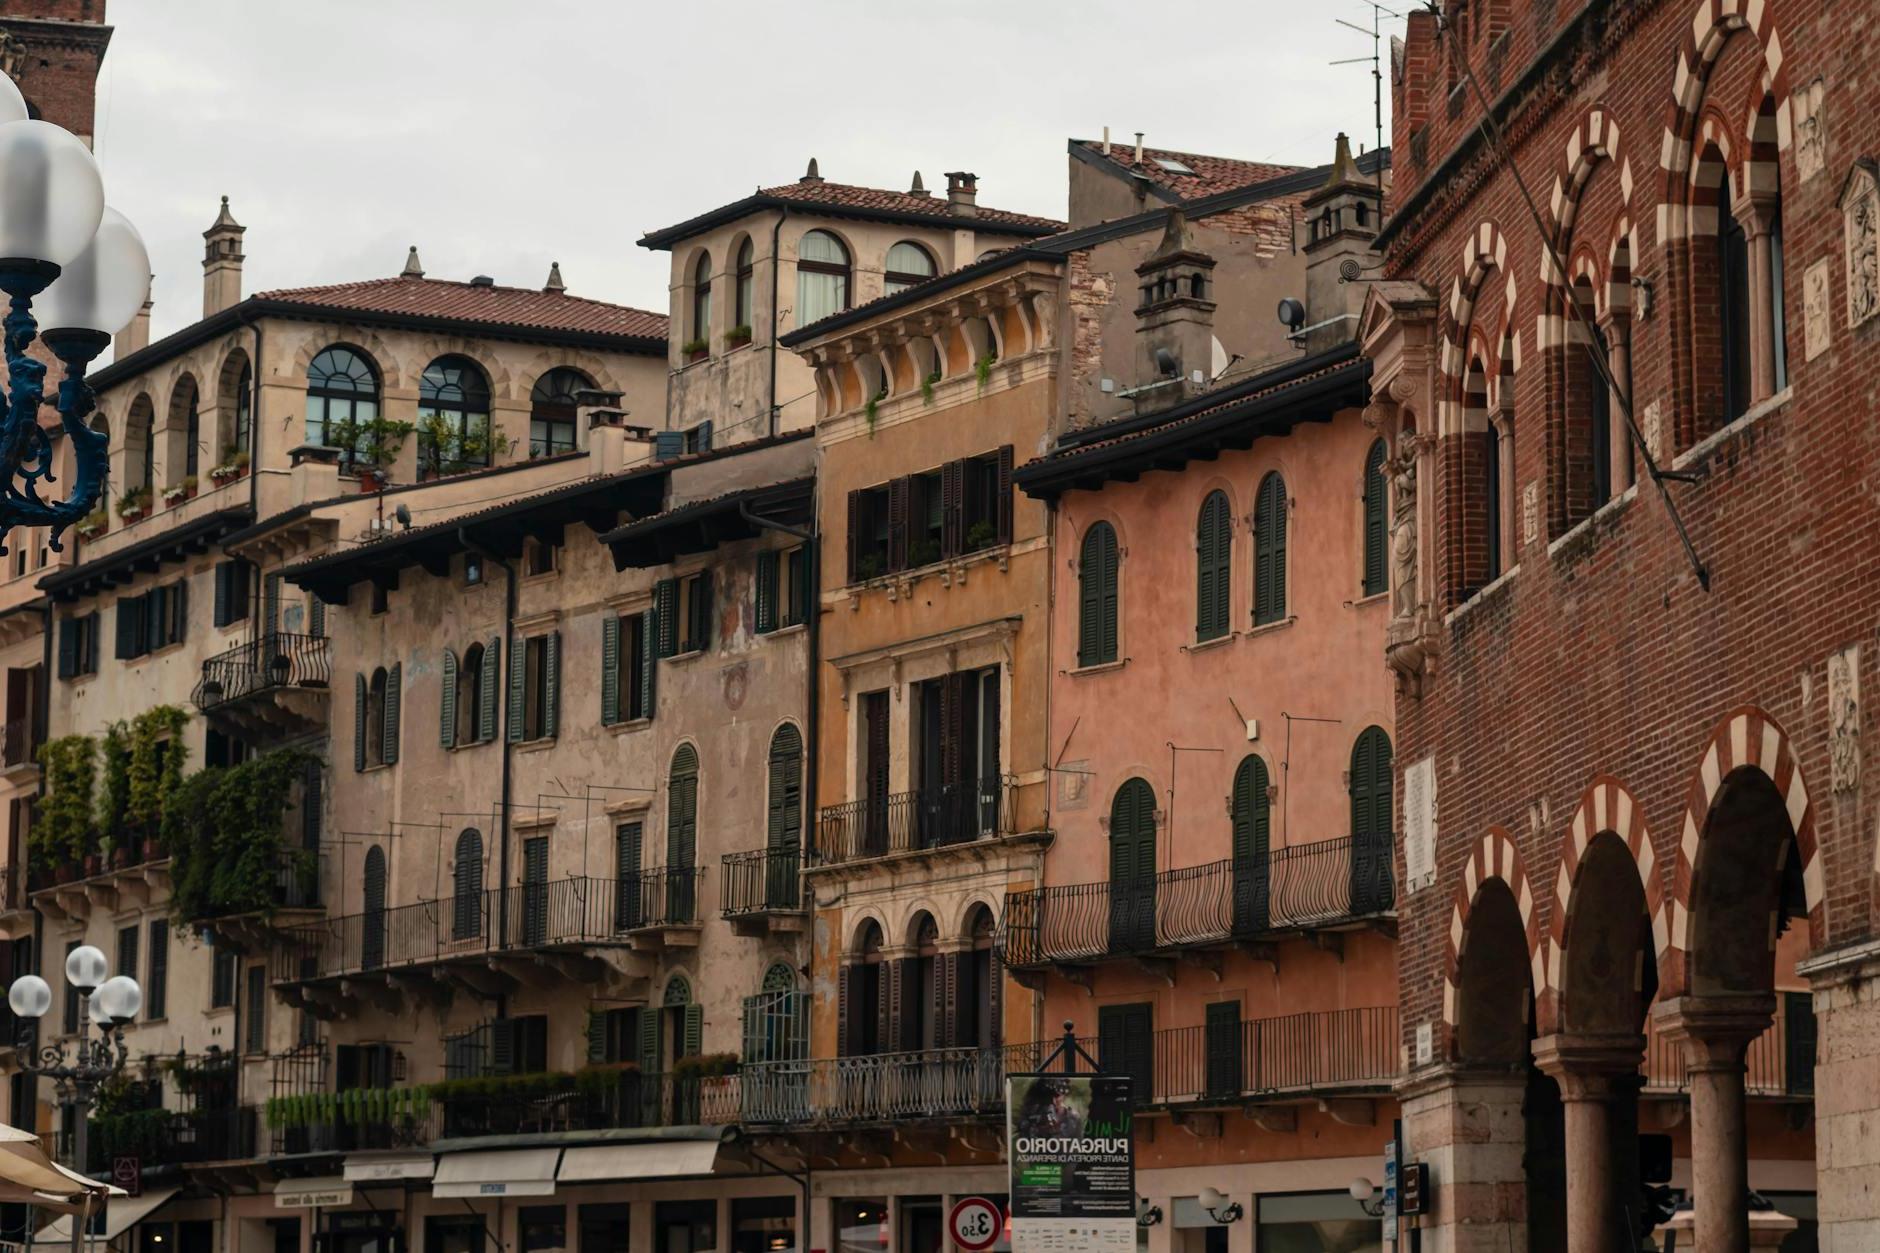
1219	1208
1147	1215
1362	1191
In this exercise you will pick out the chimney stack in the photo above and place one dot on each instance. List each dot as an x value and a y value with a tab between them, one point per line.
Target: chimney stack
1106	141
414	268
1342	218
1138	147
222	263
1174	319
135	336
962	193
919	188
813	174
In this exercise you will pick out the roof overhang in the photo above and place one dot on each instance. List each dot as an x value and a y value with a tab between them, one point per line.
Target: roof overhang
662	239
146	556
704	525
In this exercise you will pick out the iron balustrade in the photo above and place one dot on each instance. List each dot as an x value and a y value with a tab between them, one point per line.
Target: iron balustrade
1777	1063
906	822
275	660
519	916
1292	1053
1327	882
666	896
20	746
558	1103
164	1136
884	1087
763	880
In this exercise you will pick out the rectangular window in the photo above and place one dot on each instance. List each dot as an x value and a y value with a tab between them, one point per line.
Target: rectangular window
381	598
783	592
133	635
1126	1045
981	506
231	592
926	521
695	612
538	556
78	646
868	533
960	508
699	438
157	974
256	1035
535	688
222	984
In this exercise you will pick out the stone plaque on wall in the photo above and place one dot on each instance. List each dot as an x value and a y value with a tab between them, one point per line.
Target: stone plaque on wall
1073	785
1419	824
1860	227
1530	512
1652	429
1817	308
1811	129
1844	719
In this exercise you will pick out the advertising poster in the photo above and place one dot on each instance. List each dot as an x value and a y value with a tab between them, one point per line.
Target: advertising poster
1072	1155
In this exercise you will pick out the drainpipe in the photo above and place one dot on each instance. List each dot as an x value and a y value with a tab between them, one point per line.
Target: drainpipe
509	648
776	301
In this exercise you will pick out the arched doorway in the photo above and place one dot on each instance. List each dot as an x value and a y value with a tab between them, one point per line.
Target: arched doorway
1132	868
372	930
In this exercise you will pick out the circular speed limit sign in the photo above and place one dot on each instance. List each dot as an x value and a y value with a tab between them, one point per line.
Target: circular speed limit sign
975	1223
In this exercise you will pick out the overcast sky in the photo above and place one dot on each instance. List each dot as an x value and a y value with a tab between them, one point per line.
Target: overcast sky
499	135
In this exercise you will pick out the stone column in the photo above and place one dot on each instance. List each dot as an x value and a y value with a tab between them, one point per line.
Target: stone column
1846	984
1619	442
1715	1032
1469	1127
1755	219
1594	1072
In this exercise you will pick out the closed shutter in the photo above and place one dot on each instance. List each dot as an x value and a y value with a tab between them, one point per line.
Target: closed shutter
271	604
393	685
899	492
372	946
1370	822
502	1057
312	805
1126	1046
518	675
1002	507
447	702
1252	867
1223	1049
359	722
666	615
68	647
627	840
467	882
649	661
535	891
1096	622
156	615
130	627
89	643
1376	523
596	1037
487	690
551	694
855	536
1132	868
1213	580
157	986
649	1041
995	1000
316	617
224	572
767	565
887	1004
610	669
1269	568
946	1000
952	508
845	1042
694	1030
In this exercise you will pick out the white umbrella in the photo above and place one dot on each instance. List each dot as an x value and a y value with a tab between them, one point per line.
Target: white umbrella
29	1177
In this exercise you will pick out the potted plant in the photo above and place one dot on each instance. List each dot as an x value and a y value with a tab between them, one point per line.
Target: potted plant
134	504
370	447
696	349
183	491
980	535
94	524
737	337
923	551
443	449
232	467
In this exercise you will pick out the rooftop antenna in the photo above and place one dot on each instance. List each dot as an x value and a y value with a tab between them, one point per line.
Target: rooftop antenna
1378	14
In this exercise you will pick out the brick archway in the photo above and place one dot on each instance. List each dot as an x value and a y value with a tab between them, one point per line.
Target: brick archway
1747	738
1712	24
1495	856
1607	805
1485	251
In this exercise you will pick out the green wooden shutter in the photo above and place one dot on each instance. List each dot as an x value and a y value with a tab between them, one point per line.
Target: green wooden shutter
393	680
156	610
1269	571
610	668
596	1037
518	674
447	702
1096	622
1251	846
767	567
68	647
649	1041
666	615
649	661
316	617
1376	523
1213	577
694	1030
487	692
359	720
551	682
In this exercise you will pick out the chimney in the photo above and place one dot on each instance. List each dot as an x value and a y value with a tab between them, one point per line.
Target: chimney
963	193
1138	147
414	268
1174	319
135	336
1342	218
1106	141
812	174
222	263
919	188
554	283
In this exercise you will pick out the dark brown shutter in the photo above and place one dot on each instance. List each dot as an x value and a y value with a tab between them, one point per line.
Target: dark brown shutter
946	1000
900	491
1002	508
953	508
845	1041
887	1005
855	536
995	1000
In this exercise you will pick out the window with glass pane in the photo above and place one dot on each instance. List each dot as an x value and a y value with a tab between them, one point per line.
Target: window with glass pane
822	277
342	402
702	298
244	408
552	411
908	264
747	283
453	417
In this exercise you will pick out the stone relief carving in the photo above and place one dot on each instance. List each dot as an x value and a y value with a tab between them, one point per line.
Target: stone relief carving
1530	513
1817	311
1860	226
1844	719
1652	428
1811	129
1403	523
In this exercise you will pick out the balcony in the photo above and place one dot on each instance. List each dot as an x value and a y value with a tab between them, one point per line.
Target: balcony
1780	1063
918	821
1329	885
762	892
169	1137
19	749
472	941
128	879
885	1087
551	1104
16	917
293	902
658	908
273	686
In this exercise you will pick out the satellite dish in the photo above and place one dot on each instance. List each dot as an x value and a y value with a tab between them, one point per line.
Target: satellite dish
403	514
1217	358
1166	363
1292	314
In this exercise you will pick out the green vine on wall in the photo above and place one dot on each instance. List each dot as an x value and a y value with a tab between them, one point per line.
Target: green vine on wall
114	791
157	755
224	834
63	834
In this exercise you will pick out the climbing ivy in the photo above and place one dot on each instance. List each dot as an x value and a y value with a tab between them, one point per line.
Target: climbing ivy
64	832
224	833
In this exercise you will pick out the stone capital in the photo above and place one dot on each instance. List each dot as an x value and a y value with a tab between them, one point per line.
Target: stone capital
1590	1066
1715	1031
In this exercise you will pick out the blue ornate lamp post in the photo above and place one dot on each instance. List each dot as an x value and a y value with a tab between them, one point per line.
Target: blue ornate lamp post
89	272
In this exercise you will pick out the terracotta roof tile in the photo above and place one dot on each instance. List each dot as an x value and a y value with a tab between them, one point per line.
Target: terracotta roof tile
1208	175
470	302
875	199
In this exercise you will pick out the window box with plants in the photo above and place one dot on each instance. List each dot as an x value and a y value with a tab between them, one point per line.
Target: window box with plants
368	448
696	350
231	469
737	337
94	524
186	490
445	449
134	504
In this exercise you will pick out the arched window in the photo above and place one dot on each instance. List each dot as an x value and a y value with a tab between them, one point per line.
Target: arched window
859	1002
453	417
784	839
681	835
1096	597
552	408
184	440
746	289
702	301
470	695
1371	815
1132	868
979	1001
140	445
342	402
1214	580
1269	551
908	264
1248	806
683	1038
921	989
822	277
372	932
234	407
1376	522
466	914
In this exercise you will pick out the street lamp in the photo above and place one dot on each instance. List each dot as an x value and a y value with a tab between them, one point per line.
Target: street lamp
107	1003
89	270
1364	1192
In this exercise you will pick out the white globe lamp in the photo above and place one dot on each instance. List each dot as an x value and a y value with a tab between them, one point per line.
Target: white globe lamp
85	968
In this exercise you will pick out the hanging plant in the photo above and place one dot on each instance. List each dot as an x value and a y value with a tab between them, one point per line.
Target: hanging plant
224	829
926	387
64	831
982	369
114	795
157	755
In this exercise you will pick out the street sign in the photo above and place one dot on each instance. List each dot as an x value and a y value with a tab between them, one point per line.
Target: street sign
974	1223
127	1172
1413	1188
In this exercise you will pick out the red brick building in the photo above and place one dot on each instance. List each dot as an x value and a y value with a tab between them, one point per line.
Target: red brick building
52	50
1638	851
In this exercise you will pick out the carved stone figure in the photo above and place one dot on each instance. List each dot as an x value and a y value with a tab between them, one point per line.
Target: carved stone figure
1844	719
1403	523
1817	308
1811	129
1860	226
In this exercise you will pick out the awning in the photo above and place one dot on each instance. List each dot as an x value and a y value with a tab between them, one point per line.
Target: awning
515	1172
120	1216
308	1193
664	1159
388	1167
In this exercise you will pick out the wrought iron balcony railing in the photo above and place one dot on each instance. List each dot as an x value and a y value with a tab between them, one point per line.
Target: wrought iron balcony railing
905	822
562	1103
1312	1052
666	896
163	1135
1779	1062
20	743
517	917
1300	886
277	659
763	880
883	1087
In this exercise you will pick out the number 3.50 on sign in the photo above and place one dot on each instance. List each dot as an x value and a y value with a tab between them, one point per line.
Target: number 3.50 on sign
974	1223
